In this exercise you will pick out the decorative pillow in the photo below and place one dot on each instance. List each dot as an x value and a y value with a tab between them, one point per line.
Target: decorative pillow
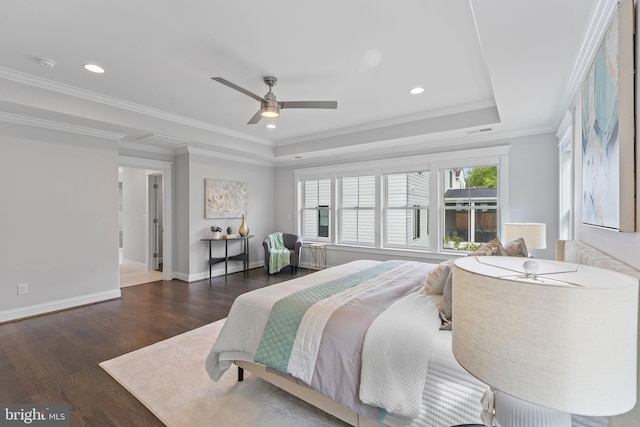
434	285
493	247
447	302
516	247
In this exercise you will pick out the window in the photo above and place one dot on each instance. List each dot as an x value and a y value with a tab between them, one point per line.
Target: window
357	209
566	185
432	202
406	210
470	207
316	208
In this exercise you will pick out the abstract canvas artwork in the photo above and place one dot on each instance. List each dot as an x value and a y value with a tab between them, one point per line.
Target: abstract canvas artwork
224	199
607	130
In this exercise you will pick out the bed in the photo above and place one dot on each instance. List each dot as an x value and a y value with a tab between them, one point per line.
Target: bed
348	374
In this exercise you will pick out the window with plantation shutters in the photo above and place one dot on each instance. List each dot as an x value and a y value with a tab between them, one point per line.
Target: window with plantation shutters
445	202
406	210
357	210
316	208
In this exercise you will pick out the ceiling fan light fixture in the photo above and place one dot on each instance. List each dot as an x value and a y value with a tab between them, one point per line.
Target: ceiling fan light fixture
270	111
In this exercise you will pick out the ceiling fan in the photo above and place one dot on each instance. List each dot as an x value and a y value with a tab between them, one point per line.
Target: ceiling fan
269	106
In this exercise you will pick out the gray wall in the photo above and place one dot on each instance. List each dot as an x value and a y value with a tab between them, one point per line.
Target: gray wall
59	227
624	246
259	218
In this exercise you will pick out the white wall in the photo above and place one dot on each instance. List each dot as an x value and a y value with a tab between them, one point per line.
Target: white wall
59	220
134	215
259	218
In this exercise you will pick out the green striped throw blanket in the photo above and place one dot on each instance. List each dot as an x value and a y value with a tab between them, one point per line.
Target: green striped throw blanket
279	256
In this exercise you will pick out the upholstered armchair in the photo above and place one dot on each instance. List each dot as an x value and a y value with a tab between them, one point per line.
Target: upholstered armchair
293	242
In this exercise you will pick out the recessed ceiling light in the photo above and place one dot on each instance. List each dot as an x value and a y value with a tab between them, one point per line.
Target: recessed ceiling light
94	68
271	126
416	90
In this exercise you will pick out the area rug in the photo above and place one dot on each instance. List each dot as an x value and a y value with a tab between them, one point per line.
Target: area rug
169	378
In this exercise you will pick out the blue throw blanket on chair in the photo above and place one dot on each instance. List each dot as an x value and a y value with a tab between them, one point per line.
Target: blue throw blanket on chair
279	256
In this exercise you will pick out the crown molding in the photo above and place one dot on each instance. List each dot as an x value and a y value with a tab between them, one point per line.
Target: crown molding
63	127
601	16
30	80
416	144
146	148
442	112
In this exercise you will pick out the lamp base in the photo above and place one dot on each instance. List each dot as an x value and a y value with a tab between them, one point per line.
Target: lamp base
513	412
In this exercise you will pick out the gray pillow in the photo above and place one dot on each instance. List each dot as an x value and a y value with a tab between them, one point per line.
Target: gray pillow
516	247
493	247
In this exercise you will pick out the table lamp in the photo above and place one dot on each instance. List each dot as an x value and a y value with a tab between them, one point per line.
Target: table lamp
533	233
551	338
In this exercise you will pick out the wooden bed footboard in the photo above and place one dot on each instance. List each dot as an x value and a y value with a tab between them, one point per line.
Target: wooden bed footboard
307	394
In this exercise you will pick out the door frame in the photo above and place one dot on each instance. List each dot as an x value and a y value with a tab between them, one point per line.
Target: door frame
152	202
166	169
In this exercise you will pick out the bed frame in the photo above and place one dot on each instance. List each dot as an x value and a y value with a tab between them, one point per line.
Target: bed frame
574	251
307	394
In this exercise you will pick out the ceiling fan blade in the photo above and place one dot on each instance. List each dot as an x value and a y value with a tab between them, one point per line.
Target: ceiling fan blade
256	118
309	104
238	88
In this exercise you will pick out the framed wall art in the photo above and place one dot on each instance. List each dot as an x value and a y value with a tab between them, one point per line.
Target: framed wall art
224	199
608	160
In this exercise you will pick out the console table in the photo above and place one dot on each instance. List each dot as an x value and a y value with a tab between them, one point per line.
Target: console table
242	256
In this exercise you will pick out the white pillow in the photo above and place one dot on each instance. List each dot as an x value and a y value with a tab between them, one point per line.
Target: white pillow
434	284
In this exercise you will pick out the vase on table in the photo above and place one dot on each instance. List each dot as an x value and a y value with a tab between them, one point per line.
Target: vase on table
244	229
216	235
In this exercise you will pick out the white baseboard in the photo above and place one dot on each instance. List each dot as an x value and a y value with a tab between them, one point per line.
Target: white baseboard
37	309
218	270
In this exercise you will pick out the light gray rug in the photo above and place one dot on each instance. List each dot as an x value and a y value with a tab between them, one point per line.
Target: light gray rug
169	378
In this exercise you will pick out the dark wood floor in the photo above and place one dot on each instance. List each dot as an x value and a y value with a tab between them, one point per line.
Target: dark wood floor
53	359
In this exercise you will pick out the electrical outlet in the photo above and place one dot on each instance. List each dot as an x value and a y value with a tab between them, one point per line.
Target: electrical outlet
23	288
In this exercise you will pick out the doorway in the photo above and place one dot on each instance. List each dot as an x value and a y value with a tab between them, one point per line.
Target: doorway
144	221
140	226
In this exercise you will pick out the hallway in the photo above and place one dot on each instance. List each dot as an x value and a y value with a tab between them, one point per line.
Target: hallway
133	274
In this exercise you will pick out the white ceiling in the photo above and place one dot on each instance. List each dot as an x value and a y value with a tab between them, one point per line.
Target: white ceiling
500	64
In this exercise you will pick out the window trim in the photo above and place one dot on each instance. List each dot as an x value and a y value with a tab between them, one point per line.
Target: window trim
340	209
494	155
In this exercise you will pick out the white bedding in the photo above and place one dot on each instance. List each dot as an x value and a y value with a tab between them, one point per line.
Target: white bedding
449	395
244	337
395	365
